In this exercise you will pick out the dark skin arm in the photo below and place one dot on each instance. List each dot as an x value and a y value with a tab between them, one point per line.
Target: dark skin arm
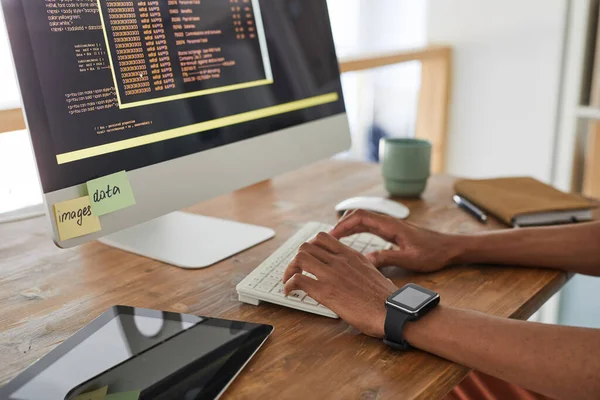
573	248
556	361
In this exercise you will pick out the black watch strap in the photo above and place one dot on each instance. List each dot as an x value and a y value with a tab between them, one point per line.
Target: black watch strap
394	324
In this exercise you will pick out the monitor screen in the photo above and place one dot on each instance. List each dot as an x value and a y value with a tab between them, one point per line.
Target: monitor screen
113	85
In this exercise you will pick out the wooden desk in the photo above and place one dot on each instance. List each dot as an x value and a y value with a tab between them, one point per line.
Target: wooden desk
47	294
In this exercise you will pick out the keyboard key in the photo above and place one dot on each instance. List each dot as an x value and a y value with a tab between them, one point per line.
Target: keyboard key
371	249
347	241
364	238
273	281
297	295
262	274
251	282
358	246
279	270
377	241
278	290
353	237
274	276
265	286
248	285
310	300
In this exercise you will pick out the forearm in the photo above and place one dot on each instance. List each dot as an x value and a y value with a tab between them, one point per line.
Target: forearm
574	248
556	361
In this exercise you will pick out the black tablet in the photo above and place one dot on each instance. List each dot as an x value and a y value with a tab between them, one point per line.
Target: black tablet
163	355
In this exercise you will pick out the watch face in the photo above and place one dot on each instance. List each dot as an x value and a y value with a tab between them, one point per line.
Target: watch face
412	298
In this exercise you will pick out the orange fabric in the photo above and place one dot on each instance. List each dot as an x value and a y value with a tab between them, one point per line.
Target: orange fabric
479	386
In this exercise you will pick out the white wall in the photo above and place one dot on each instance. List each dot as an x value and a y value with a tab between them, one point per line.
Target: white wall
506	83
507	76
393	25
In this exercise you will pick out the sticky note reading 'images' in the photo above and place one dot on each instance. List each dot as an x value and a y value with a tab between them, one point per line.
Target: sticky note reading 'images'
74	218
110	193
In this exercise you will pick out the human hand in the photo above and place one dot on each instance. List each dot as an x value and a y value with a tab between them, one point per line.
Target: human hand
418	250
347	283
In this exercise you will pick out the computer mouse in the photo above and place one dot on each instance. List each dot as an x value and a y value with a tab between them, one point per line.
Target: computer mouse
375	204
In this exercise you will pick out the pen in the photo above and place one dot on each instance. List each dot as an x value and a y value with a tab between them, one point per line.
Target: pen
470	208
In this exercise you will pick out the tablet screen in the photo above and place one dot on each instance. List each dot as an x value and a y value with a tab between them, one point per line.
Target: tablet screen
137	349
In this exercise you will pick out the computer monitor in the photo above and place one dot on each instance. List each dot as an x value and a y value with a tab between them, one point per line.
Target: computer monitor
192	98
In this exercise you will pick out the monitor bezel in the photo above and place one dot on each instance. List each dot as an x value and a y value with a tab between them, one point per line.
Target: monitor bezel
290	149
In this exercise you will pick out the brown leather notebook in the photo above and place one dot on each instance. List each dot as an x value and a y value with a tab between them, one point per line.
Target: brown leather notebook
524	201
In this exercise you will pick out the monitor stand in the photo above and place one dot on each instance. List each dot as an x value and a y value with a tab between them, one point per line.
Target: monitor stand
188	240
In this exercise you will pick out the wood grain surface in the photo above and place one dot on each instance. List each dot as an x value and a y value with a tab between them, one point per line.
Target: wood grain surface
47	294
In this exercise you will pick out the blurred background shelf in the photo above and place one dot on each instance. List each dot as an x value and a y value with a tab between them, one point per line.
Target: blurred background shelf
11	120
589	113
591	158
434	93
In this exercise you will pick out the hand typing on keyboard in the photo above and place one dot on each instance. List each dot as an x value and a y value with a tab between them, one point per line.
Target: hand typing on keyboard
265	282
346	282
419	250
364	239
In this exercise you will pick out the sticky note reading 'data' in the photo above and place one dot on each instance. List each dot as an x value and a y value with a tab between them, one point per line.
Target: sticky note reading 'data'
74	218
99	394
110	193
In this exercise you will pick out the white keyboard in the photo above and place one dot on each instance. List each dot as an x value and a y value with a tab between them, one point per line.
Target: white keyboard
265	282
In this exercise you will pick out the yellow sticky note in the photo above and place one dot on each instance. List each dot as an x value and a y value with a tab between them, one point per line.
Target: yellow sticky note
110	193
74	218
133	395
98	394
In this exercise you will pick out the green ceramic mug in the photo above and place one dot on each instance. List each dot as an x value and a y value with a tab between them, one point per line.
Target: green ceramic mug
406	165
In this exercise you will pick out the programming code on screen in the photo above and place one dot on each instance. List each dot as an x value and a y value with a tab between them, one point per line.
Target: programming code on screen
165	50
112	85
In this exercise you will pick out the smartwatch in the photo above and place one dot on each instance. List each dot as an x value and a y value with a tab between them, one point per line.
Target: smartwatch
407	304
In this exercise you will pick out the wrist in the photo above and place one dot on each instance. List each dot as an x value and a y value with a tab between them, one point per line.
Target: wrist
376	327
462	247
417	333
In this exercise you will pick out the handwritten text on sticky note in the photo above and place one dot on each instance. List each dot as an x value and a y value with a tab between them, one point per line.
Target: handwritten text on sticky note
74	218
110	193
99	394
